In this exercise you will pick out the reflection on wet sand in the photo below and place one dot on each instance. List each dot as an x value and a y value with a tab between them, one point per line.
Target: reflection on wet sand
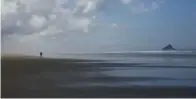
33	77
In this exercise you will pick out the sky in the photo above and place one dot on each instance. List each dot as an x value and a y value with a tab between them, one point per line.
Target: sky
67	26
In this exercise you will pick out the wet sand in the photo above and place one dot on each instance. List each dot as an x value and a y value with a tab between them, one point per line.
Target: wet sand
26	77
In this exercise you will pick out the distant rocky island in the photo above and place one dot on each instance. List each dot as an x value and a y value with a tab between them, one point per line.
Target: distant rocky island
168	47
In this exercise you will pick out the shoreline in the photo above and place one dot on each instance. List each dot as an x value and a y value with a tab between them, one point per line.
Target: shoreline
19	74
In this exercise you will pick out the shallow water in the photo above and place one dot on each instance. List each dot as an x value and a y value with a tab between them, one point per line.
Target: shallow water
167	68
136	74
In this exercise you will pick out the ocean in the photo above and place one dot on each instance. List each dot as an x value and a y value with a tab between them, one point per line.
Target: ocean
152	68
118	74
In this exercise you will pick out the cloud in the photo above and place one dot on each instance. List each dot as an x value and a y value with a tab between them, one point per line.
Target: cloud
8	7
126	1
87	6
155	5
36	15
114	25
39	20
142	6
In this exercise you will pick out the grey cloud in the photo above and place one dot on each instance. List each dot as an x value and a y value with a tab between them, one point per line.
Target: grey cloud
62	19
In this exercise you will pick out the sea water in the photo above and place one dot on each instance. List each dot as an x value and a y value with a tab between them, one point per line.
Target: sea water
140	68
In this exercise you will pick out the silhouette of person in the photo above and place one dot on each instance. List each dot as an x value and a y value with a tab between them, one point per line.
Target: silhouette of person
41	54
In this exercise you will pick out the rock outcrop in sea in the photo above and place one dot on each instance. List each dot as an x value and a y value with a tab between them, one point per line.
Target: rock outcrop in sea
168	47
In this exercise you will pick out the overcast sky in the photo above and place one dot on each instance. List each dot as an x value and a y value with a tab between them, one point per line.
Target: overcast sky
97	25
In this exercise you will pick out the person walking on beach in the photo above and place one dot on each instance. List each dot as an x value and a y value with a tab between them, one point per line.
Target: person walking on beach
40	54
